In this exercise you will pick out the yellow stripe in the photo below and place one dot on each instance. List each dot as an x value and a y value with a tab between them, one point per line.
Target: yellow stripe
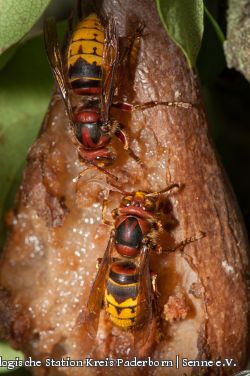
91	21
87	48
124	324
126	313
126	303
90	59
86	78
126	318
86	31
88	34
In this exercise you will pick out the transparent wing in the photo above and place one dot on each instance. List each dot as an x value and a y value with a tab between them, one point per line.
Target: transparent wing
110	63
145	286
144	330
55	60
94	305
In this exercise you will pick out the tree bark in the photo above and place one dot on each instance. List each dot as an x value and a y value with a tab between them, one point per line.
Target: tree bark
57	234
238	32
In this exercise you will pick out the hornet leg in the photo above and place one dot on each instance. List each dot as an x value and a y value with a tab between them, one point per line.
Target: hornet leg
182	244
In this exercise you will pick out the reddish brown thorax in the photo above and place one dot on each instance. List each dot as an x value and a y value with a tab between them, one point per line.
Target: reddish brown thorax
133	222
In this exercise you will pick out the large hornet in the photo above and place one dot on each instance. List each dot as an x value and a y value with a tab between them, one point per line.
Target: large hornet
90	71
92	61
124	284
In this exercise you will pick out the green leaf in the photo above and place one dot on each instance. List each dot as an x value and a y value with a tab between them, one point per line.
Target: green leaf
183	20
17	18
7	353
26	84
215	25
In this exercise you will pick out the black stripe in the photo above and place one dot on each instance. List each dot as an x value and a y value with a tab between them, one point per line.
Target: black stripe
118	311
85	53
82	69
76	84
133	308
122	293
88	40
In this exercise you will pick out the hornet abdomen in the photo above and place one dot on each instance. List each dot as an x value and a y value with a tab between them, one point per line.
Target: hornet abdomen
121	294
85	56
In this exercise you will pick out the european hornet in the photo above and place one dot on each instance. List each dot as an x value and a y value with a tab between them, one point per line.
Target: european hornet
124	284
92	61
91	68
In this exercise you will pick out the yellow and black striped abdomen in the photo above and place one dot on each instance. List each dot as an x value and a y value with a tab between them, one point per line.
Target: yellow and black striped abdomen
121	294
85	56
